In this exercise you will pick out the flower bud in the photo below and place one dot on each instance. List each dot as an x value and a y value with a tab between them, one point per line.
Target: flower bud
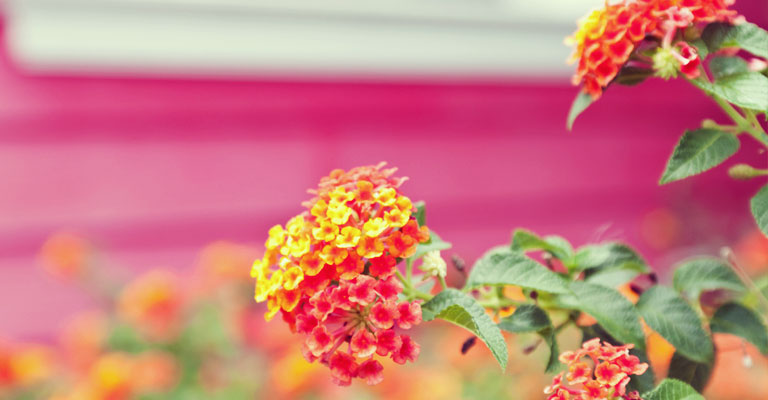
665	63
433	264
743	172
689	60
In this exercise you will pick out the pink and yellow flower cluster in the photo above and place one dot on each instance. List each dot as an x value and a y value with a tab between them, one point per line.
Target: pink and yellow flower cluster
331	272
604	375
607	37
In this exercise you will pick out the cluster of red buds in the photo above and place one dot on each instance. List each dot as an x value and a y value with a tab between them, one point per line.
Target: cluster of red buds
362	314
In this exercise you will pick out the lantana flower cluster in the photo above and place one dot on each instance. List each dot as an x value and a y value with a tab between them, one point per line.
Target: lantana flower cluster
331	271
607	38
598	370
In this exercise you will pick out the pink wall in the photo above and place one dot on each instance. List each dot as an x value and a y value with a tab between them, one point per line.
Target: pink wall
154	169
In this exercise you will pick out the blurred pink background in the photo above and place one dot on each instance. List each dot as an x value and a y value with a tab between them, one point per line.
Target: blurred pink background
154	169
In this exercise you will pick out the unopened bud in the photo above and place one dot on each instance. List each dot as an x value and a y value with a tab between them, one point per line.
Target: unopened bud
743	172
665	63
433	264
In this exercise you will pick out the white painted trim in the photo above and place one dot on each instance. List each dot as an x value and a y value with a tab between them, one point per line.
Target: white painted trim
442	38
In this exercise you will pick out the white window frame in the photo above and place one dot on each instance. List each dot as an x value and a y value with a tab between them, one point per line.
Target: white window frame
363	38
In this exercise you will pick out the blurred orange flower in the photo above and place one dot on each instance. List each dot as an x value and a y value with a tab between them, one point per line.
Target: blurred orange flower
66	255
155	371
24	364
110	378
153	304
223	262
84	338
753	251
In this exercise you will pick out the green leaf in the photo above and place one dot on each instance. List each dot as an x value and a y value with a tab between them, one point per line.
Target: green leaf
421	213
738	320
524	240
582	101
614	312
697	152
746	90
124	337
610	255
673	389
526	318
691	372
554	351
747	36
722	66
613	277
434	243
760	209
504	266
701	274
668	314
459	308
530	318
206	331
610	264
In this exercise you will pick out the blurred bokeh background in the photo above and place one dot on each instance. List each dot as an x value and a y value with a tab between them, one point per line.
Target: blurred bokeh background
157	127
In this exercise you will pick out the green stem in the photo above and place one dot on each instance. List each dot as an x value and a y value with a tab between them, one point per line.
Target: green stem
409	269
442	282
731	111
407	286
416	294
752	117
409	291
747	123
728	254
557	330
756	130
710	124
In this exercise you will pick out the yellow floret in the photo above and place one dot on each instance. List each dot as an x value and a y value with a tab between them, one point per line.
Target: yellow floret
374	227
348	238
